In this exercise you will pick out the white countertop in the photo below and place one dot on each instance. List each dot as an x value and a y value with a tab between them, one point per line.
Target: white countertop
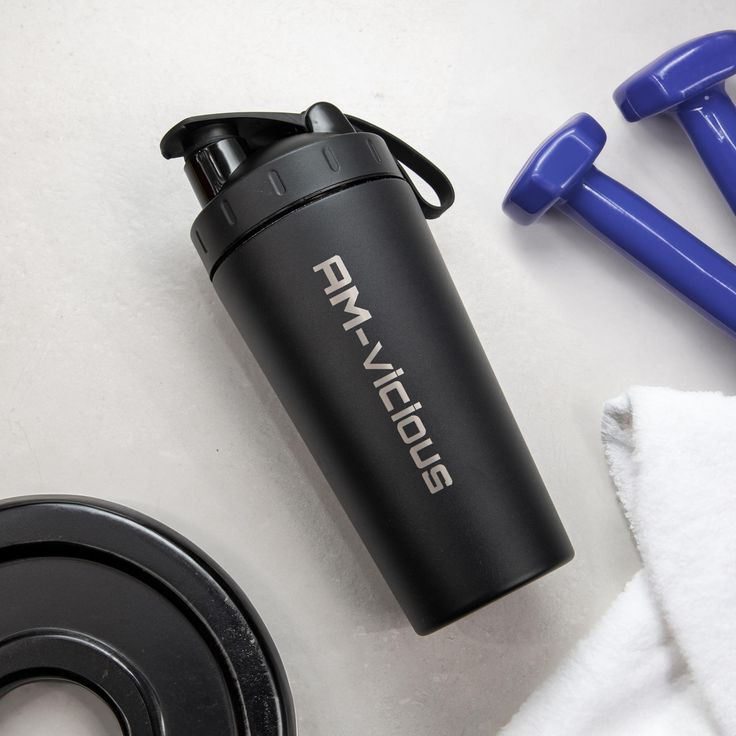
122	377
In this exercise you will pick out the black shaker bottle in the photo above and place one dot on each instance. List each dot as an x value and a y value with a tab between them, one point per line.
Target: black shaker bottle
316	242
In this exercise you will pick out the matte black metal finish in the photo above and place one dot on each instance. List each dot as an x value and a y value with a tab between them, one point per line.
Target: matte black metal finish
105	597
345	301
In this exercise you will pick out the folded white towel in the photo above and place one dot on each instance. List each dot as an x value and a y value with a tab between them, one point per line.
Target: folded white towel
663	659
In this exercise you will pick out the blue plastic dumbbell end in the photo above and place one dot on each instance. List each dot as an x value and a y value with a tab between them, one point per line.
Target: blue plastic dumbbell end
688	82
561	173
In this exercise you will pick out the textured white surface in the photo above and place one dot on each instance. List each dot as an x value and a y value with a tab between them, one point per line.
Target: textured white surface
661	660
121	376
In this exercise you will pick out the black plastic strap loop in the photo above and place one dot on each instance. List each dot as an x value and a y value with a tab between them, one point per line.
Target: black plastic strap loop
415	162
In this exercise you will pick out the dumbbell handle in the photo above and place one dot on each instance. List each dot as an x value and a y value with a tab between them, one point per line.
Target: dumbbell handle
709	120
657	243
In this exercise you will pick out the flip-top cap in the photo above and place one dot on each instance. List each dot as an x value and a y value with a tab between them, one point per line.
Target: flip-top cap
219	149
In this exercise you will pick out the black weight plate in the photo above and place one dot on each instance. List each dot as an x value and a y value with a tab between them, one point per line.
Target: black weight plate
110	599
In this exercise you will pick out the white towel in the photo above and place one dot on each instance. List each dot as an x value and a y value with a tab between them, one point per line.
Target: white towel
663	659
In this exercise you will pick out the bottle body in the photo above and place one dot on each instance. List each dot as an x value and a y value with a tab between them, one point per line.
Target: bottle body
352	315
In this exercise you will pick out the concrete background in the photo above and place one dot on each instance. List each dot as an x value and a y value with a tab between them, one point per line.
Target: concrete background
122	377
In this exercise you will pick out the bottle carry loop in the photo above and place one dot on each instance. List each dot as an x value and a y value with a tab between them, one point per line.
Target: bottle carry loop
421	166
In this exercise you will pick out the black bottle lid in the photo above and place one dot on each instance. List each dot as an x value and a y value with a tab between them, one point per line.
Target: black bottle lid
217	146
248	169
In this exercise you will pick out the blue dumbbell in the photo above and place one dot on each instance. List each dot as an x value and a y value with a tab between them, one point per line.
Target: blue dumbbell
688	82
561	173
